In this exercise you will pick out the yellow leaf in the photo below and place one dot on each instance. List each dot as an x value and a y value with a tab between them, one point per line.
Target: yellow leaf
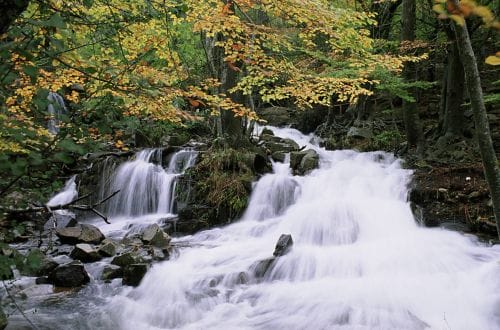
493	60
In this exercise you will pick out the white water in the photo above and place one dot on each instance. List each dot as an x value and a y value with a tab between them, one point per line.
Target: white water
359	261
56	109
147	189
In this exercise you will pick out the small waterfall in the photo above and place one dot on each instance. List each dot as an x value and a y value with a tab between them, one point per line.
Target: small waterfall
146	187
56	109
359	260
273	193
66	195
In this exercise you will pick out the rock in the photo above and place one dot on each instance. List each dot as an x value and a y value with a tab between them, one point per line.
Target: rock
111	272
127	258
69	275
309	162
42	280
83	233
158	254
302	162
278	156
107	248
36	263
85	253
455	226
155	236
276	116
284	245
267	131
3	319
60	220
260	268
360	133
133	274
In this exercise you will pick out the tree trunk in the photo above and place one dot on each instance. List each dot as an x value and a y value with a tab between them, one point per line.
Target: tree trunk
231	124
490	163
384	13
454	117
411	118
11	9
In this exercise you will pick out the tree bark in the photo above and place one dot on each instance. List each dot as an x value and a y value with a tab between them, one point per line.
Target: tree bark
454	117
11	10
411	118
490	163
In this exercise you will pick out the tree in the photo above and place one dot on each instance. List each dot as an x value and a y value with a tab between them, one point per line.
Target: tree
411	117
457	12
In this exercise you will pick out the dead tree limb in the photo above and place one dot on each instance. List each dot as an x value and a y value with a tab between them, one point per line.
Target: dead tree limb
68	206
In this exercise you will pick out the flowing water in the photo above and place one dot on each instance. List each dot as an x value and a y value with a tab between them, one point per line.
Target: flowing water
56	109
359	260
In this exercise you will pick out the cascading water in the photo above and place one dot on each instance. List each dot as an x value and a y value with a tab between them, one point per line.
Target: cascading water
56	109
146	187
359	260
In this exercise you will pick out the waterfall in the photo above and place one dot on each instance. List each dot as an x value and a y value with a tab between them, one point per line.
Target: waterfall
145	185
56	109
66	195
359	260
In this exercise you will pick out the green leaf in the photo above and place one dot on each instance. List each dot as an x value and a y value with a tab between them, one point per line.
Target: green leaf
69	145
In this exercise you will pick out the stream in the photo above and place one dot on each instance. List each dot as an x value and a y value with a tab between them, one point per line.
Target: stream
359	258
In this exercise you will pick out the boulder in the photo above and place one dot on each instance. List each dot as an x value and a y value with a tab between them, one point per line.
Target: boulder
266	131
276	116
284	245
309	162
69	275
127	258
260	268
83	233
302	162
60	219
107	248
155	236
36	263
133	274
360	133
111	272
158	254
278	156
85	253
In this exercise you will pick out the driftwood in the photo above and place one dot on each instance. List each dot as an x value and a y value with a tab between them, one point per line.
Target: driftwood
68	206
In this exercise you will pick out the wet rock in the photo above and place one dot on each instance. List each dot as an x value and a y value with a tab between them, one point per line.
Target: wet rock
36	263
107	248
155	236
302	162
3	319
158	254
42	280
455	226
267	131
69	275
309	162
284	245
260	268
127	258
61	220
133	274
278	156
111	272
83	233
85	253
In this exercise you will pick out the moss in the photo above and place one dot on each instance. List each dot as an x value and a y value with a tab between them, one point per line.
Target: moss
221	184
